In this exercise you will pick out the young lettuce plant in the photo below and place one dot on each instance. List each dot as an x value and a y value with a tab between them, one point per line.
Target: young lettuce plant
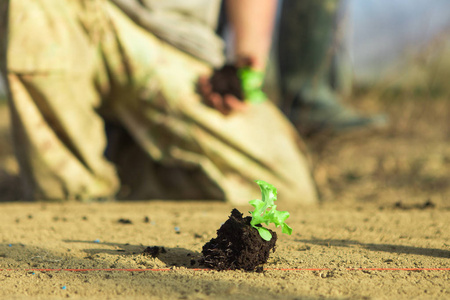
265	211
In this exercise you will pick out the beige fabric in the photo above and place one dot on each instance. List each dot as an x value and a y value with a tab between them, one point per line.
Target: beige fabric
187	25
206	11
73	63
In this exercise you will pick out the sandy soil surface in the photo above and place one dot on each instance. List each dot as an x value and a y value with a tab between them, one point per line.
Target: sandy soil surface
385	207
90	236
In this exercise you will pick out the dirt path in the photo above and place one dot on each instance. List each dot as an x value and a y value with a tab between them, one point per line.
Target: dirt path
90	236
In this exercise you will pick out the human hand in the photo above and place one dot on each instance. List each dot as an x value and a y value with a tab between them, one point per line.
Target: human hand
223	90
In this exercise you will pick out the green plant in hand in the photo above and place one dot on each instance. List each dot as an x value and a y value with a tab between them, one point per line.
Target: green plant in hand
265	211
251	83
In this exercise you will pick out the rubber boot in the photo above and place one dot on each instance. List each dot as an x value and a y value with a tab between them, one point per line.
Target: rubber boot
307	61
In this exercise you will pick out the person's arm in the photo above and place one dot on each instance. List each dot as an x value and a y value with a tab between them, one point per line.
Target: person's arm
252	23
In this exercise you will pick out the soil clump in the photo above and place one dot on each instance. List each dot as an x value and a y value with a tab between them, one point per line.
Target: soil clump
237	246
225	81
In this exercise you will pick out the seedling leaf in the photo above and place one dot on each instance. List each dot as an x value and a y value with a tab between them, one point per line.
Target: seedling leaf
264	233
265	211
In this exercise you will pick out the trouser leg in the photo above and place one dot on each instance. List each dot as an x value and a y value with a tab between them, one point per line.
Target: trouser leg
59	140
305	45
4	12
310	75
58	135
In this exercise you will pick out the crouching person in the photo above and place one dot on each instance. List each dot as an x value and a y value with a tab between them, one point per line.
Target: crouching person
106	102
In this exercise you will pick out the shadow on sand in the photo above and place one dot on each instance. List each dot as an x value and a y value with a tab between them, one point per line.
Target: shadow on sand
440	253
177	257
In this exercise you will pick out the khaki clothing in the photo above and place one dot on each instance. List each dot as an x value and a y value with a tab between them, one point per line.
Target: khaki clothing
71	65
187	25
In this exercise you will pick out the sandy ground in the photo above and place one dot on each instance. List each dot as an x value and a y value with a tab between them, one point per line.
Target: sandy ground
374	214
74	235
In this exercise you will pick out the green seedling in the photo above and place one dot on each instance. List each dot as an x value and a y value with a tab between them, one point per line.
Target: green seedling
251	83
265	211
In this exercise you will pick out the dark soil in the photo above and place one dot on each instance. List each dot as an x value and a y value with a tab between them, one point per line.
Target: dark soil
225	81
237	246
154	251
125	221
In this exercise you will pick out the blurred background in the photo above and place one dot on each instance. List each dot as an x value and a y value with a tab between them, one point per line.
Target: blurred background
387	36
390	35
400	58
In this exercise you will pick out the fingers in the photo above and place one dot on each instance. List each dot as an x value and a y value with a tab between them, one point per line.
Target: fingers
204	87
234	104
216	101
224	104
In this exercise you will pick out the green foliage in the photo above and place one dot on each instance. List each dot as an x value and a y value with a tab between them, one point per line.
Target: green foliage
251	82
265	211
